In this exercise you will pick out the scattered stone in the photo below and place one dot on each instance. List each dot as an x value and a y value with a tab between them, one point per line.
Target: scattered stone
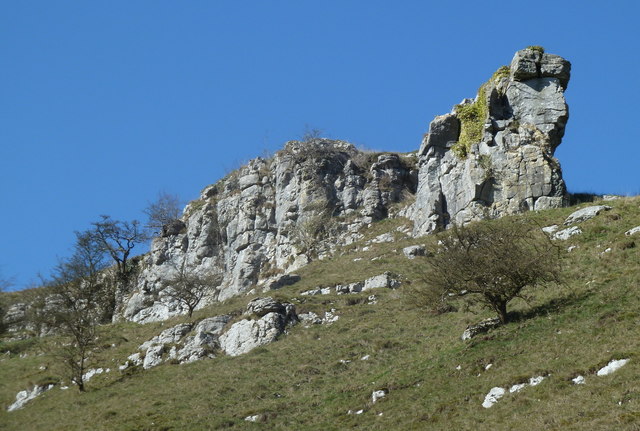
610	197
535	381
579	380
372	300
91	373
413	251
493	396
488	367
365	358
550	229
571	248
24	397
376	395
253	418
633	231
565	234
585	214
385	237
479	328
612	367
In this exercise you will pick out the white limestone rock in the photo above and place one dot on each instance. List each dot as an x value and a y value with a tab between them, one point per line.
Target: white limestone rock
414	251
633	231
24	397
493	397
585	214
612	367
567	233
246	335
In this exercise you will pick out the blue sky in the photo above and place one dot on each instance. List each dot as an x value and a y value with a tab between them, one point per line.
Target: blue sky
104	104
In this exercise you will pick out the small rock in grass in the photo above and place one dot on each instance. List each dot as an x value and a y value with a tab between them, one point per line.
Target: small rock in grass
376	395
493	396
578	380
612	367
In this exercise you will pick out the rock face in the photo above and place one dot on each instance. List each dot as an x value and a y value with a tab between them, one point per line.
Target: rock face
264	221
519	115
271	216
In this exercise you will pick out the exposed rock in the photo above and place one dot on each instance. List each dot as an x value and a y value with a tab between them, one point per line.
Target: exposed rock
24	397
550	229
174	227
585	214
280	281
511	168
610	197
92	373
565	234
245	335
385	280
612	367
203	341
497	392
153	356
493	396
633	231
376	395
168	336
480	328
578	380
413	251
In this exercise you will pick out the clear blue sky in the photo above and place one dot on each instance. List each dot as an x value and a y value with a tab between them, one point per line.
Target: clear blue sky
104	104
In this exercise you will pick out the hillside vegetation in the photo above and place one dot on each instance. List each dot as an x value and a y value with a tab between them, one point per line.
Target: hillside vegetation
313	376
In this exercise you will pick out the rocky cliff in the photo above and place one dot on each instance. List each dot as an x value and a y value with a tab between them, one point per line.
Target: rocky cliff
490	156
493	155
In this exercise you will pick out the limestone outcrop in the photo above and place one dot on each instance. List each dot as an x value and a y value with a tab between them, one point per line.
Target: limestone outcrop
493	156
490	157
270	217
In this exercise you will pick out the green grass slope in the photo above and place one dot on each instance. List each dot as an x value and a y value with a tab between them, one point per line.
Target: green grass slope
311	377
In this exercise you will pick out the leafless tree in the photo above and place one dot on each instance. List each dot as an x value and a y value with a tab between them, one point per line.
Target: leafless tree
188	287
491	260
72	305
118	238
164	210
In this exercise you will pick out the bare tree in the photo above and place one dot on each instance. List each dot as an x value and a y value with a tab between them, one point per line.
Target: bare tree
492	260
118	238
188	287
72	305
163	211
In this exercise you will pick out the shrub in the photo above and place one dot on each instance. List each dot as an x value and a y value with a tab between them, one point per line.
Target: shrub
472	117
493	261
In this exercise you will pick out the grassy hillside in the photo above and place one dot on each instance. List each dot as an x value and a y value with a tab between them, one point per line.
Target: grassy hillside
311	377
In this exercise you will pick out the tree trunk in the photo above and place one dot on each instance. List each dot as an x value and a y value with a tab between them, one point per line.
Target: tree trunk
501	309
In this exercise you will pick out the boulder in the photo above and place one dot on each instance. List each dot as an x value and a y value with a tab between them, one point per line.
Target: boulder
480	328
413	251
385	280
585	214
246	335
